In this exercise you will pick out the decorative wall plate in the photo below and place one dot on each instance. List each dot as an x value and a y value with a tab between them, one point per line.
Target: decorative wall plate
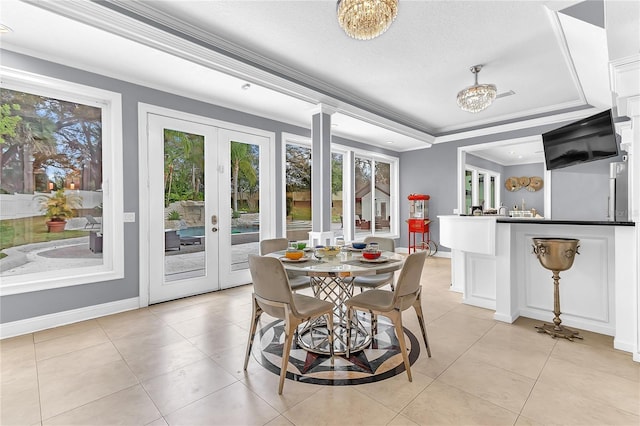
523	181
512	184
536	183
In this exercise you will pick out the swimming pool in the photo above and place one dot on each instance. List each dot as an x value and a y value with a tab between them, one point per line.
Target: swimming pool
198	231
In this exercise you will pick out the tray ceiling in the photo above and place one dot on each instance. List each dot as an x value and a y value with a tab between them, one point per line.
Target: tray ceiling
397	91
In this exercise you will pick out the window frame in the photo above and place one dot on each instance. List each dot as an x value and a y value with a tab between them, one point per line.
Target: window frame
394	189
112	182
289	139
475	186
348	187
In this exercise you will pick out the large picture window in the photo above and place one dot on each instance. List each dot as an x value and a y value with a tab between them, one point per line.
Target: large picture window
60	184
364	186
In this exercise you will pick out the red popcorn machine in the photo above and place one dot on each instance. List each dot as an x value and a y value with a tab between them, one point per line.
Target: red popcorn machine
419	224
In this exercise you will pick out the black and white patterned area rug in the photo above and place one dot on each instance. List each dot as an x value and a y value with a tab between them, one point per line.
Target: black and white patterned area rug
380	360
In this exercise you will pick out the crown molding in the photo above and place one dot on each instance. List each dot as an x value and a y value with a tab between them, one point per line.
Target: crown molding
324	109
141	23
294	80
519	125
624	74
556	25
546	110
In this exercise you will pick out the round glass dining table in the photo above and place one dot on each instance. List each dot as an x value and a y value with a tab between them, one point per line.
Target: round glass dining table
331	279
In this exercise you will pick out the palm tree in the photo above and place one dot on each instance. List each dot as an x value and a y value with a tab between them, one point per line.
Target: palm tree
183	151
241	165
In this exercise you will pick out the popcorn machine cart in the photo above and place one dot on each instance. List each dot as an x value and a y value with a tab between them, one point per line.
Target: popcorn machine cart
419	224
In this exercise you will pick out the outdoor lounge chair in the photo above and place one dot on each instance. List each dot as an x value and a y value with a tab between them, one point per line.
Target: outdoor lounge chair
91	221
171	240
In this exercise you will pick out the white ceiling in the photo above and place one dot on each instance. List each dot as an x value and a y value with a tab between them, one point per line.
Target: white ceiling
397	91
526	151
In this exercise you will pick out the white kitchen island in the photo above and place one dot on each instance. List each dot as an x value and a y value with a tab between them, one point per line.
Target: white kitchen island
492	265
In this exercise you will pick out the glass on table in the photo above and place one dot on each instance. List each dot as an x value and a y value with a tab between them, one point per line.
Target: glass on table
319	253
340	243
373	247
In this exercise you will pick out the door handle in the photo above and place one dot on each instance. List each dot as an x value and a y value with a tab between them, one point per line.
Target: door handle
214	229
214	219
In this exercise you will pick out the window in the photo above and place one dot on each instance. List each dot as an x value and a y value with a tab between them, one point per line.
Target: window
298	190
375	197
337	170
61	168
353	175
481	188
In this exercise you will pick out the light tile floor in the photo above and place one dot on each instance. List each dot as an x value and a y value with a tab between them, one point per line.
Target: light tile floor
180	362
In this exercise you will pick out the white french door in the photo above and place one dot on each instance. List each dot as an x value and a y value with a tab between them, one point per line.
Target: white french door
205	215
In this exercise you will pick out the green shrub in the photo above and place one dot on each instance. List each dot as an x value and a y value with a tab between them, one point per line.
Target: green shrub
173	215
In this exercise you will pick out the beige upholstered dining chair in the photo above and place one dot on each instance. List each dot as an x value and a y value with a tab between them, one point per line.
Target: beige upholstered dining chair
297	281
379	280
391	304
272	295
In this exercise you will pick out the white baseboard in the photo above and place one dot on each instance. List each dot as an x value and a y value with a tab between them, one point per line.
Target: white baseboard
31	325
622	346
570	321
405	250
479	302
505	318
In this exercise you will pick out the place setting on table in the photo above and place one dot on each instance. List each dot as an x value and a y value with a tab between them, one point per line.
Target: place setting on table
356	253
370	255
297	252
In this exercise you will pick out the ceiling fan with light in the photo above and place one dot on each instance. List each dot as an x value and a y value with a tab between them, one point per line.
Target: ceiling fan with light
479	97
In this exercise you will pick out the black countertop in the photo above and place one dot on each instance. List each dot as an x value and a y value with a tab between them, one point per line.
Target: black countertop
562	222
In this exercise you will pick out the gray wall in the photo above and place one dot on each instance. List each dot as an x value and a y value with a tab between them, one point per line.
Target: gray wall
531	199
473	160
581	192
429	171
578	194
28	305
508	198
433	171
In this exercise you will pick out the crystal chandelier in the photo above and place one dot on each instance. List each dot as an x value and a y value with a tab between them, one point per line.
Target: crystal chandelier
477	97
366	19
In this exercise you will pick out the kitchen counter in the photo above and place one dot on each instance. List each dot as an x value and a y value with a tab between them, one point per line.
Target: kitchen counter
492	265
501	219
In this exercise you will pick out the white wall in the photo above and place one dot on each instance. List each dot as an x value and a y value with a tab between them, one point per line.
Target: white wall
15	206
